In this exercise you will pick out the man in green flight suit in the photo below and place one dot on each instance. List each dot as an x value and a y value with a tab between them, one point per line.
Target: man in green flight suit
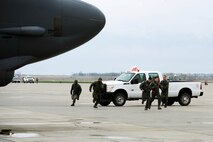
97	87
155	91
164	85
75	92
145	87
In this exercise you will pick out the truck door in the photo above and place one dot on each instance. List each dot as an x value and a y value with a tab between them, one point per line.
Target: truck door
134	88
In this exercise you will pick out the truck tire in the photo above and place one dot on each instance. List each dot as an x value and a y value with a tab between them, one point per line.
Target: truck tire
170	102
119	99
184	99
105	103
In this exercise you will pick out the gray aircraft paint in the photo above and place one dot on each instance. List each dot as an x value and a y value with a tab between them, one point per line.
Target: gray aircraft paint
35	30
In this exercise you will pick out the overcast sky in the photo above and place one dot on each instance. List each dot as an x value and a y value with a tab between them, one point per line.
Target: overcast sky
164	35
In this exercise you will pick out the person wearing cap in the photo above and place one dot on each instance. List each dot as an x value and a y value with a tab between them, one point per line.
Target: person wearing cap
164	86
145	87
155	85
97	87
75	92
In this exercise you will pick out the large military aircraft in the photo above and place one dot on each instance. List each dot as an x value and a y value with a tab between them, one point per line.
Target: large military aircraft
34	30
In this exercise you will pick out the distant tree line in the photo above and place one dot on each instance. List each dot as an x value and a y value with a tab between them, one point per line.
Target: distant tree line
171	76
95	74
190	77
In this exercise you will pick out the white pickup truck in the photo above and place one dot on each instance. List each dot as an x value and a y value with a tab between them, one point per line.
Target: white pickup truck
126	87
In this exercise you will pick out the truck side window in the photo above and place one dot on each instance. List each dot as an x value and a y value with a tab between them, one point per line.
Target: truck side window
143	77
153	75
137	79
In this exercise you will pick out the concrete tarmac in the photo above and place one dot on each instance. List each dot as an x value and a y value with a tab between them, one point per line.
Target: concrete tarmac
42	113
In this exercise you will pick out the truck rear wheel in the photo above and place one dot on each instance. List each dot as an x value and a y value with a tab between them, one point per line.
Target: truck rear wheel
105	103
184	99
119	99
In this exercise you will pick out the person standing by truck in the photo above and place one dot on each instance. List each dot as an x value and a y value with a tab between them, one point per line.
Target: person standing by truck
75	92
164	85
155	85
97	87
145	87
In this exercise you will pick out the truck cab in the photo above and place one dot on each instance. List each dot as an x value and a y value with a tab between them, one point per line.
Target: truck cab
132	80
126	86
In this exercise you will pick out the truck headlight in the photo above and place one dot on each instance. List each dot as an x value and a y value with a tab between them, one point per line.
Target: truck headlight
110	88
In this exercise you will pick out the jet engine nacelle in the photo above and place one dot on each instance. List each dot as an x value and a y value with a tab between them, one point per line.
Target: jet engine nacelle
6	77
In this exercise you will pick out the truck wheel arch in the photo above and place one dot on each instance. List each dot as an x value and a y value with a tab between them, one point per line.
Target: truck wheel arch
121	91
185	90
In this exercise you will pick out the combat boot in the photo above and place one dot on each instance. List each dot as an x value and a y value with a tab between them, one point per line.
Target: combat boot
143	102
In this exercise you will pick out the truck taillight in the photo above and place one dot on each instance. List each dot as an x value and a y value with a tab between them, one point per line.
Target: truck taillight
201	86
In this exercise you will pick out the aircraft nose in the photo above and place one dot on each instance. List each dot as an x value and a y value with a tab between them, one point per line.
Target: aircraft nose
81	18
97	20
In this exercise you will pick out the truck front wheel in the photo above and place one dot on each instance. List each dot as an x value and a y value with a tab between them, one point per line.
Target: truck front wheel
170	102
105	103
119	99
184	99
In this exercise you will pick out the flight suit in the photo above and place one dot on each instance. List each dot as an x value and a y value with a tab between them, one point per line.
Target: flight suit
155	93
145	87
164	85
97	87
75	92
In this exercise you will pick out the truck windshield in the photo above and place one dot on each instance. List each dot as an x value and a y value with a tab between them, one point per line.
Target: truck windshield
125	77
